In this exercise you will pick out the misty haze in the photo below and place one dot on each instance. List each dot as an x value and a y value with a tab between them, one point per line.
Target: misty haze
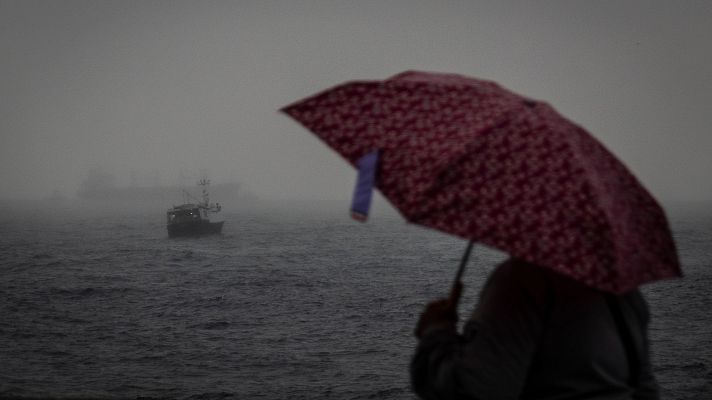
114	112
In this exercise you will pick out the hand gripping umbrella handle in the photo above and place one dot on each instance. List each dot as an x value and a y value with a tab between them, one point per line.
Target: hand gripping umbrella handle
457	285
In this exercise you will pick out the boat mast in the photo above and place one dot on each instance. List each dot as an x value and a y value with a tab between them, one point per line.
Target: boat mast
204	184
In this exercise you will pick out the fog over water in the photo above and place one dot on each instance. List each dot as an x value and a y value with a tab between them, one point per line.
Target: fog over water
151	96
159	92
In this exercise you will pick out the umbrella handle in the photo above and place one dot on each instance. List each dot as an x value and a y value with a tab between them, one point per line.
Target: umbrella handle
457	285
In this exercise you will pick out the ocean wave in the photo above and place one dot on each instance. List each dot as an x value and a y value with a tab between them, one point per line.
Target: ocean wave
83	293
42	256
211	326
274	312
212	396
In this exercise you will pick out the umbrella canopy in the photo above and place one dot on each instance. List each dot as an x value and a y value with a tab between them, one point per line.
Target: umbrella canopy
473	159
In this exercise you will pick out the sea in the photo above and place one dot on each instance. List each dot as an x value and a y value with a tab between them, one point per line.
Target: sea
301	303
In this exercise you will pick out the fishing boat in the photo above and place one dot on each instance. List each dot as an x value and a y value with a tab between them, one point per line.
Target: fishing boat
196	218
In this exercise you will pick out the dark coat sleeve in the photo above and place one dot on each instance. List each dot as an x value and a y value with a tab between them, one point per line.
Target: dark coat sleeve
637	313
490	360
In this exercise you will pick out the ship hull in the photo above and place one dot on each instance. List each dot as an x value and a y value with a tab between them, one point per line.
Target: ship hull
196	228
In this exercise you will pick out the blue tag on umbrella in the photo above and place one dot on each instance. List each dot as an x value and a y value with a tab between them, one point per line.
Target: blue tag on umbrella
361	202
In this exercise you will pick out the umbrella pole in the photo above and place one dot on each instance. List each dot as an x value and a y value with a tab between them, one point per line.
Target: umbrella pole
457	286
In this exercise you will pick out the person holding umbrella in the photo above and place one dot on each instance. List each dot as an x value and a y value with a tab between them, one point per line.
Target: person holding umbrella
535	334
563	317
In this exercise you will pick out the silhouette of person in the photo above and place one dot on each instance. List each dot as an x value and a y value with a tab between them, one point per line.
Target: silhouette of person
535	334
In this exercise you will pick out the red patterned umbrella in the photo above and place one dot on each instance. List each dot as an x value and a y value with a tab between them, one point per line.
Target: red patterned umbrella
468	157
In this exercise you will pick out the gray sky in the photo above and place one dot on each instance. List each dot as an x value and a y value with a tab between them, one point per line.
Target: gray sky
159	87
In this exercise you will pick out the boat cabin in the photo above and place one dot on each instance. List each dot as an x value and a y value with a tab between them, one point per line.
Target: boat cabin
185	213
